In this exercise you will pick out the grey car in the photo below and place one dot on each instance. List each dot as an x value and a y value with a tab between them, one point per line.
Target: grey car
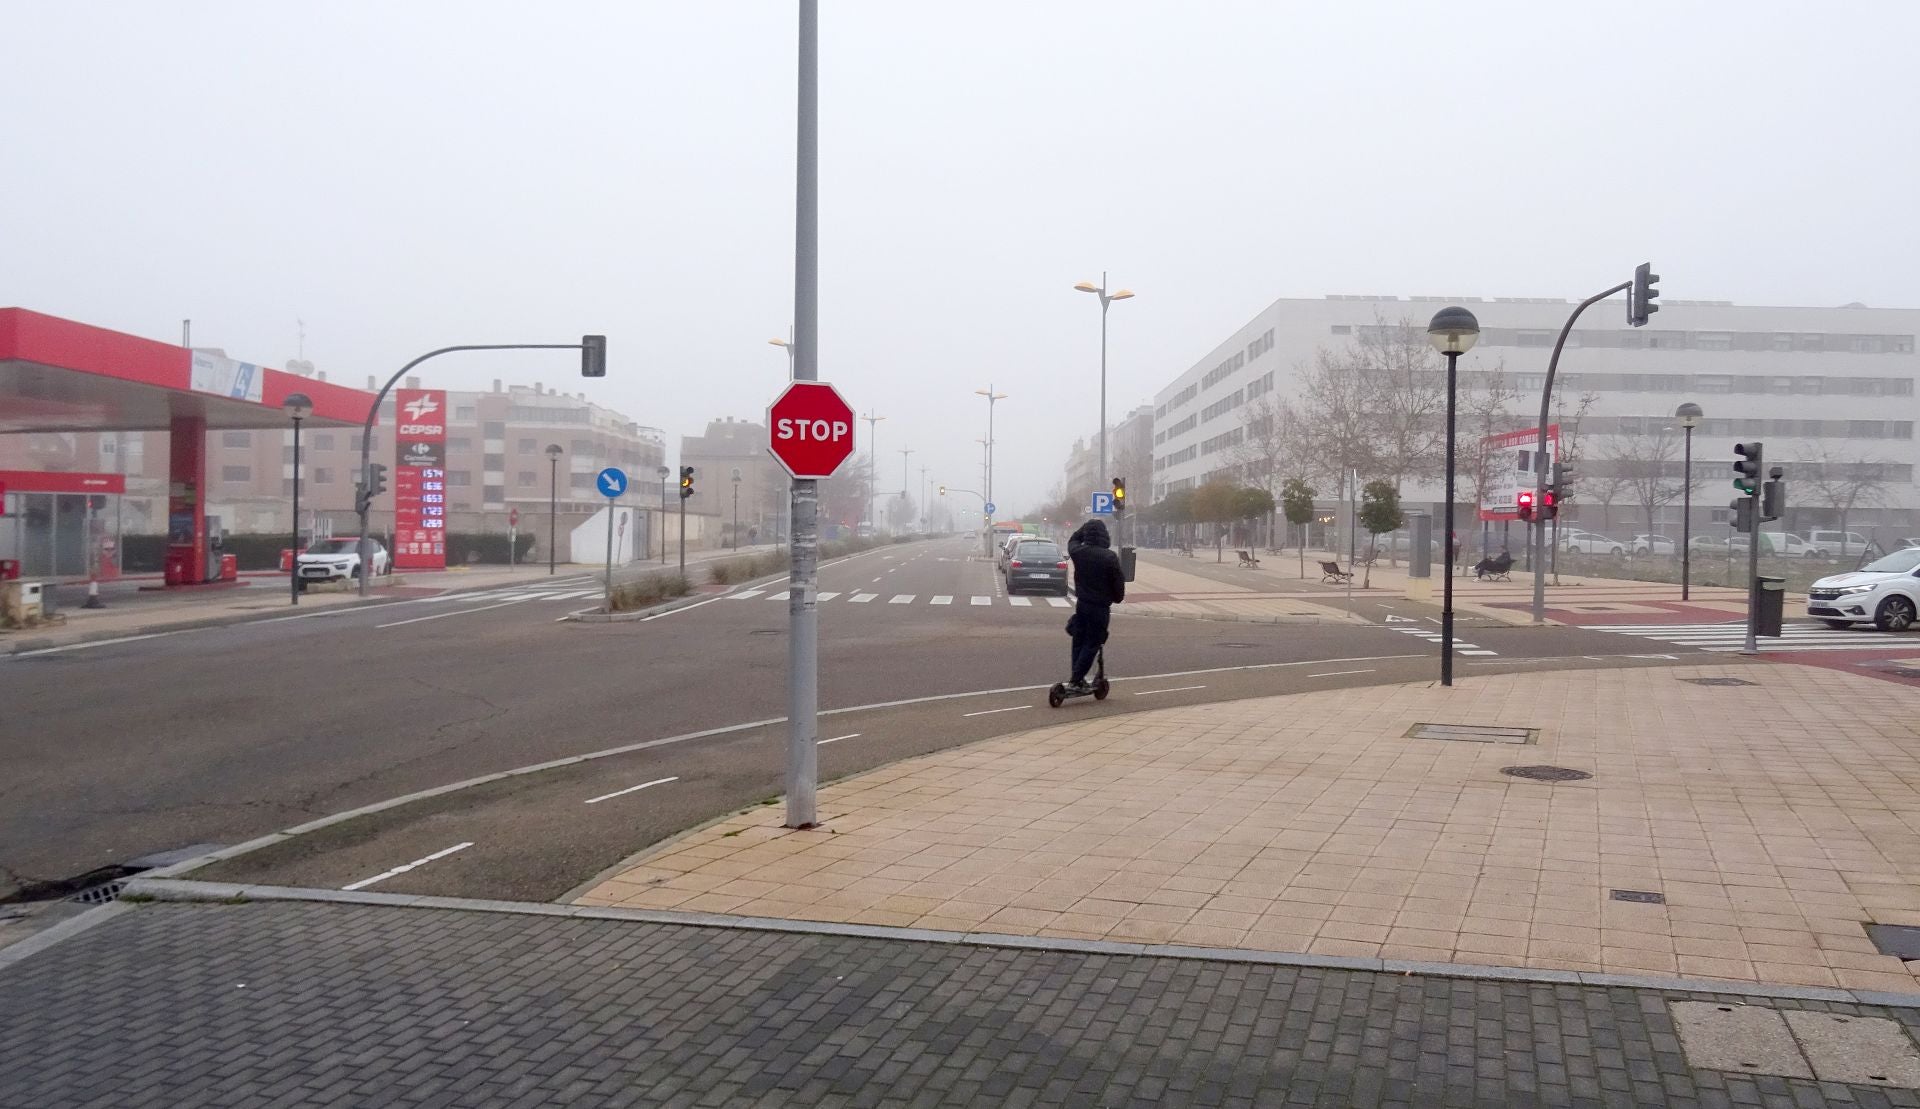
1037	564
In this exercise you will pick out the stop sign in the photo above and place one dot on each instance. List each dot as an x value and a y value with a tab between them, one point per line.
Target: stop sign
513	517
810	429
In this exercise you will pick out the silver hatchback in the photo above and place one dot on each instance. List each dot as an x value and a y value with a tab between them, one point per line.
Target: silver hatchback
1037	564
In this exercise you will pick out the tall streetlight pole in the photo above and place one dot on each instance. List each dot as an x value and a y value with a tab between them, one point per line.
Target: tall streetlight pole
298	407
923	497
803	613
553	507
736	509
1689	415
873	465
905	471
1453	333
663	514
993	398
1106	299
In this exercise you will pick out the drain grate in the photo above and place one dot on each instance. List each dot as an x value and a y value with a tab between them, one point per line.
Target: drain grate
1473	733
1718	681
100	894
1639	897
1545	773
1902	941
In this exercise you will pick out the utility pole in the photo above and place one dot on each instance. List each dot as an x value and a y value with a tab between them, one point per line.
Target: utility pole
873	454
803	614
904	471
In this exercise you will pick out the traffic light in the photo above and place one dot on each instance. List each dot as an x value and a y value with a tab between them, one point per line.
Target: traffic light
1746	468
375	483
686	482
1773	495
943	492
1742	514
1119	495
1640	298
593	356
1524	504
1549	506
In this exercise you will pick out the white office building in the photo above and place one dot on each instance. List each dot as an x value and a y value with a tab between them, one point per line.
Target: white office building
1828	390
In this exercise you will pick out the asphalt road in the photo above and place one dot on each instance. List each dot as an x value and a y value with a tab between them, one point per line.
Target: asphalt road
118	750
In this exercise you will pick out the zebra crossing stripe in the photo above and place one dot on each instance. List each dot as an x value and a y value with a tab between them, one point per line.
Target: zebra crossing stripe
825	596
1022	602
863	598
1733	637
948	601
988	601
907	599
785	593
1060	602
747	594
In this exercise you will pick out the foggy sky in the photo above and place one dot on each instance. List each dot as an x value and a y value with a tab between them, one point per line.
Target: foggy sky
405	176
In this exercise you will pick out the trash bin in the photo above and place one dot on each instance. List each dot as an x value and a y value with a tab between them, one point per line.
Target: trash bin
1769	604
1127	558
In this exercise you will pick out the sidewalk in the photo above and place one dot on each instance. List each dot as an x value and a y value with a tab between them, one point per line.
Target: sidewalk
1774	820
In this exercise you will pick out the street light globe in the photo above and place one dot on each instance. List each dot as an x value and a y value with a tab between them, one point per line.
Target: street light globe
1453	330
298	405
553	450
1689	414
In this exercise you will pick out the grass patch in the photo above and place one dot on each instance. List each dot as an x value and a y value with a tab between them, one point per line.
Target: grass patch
729	571
648	591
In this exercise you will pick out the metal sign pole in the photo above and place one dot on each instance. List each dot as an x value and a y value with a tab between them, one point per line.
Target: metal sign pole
803	661
610	504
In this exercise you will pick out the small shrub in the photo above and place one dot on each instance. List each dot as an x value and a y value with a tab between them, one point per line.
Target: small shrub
648	591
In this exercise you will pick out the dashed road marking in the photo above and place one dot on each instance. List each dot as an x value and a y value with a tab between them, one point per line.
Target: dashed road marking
404	867
629	789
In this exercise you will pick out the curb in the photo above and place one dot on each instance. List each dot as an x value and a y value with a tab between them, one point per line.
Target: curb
189	892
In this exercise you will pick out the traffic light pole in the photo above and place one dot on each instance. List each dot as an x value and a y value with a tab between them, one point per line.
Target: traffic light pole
1537	539
365	544
803	659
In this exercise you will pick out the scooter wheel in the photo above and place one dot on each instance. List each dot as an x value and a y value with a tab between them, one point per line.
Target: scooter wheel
1101	689
1056	695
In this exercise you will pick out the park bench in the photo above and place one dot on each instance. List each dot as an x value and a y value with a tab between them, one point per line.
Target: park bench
1247	559
1494	569
1332	574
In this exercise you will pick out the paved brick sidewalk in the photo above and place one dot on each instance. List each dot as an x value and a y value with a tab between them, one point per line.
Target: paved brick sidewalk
289	1005
1774	819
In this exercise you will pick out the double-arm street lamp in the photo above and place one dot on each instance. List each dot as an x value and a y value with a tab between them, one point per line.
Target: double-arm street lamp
298	407
1106	299
1452	332
993	398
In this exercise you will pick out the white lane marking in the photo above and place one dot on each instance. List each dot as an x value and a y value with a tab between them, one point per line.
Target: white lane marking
901	599
402	869
629	789
575	595
891	569
444	615
1059	602
1476	652
990	712
828	596
942	600
95	643
1022	602
1175	689
780	596
1339	673
746	594
861	598
838	738
983	600
876	581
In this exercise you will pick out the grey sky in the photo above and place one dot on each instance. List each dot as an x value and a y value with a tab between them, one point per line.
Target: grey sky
403	176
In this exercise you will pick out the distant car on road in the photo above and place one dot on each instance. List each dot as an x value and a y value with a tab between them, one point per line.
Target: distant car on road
1575	541
333	559
1653	545
1036	564
1885	591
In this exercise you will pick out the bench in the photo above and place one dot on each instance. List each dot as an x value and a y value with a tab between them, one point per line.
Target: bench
1183	549
1247	559
1494	569
1332	574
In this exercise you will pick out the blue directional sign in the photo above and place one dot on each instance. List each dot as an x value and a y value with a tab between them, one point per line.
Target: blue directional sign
1102	505
612	481
993	508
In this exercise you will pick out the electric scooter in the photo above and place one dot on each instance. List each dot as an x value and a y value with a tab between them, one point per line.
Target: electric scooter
1098	689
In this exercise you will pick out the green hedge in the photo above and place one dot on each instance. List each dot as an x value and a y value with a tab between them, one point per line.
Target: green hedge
146	554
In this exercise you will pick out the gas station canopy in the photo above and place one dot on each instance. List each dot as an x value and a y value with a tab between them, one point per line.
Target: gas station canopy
60	376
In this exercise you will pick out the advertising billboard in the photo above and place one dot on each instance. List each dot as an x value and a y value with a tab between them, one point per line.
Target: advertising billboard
420	479
1511	466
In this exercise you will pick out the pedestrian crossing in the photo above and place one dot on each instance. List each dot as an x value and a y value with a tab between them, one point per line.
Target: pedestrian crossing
1733	637
934	600
1460	646
570	589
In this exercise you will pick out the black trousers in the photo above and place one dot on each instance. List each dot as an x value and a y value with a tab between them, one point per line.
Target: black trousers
1089	630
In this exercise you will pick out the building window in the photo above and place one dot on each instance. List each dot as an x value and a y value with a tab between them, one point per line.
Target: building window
1338	329
1903	344
494	429
286	487
463	477
498	462
466	413
527	477
1866	344
353	444
236	473
497	494
322	475
464	443
584	448
527	447
582	481
1783	342
236	439
322	441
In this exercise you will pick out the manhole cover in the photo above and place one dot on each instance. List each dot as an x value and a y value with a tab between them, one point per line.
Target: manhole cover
1718	681
1545	773
1902	941
1641	897
1473	733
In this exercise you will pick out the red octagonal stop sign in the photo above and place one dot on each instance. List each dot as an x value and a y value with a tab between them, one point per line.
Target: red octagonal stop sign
810	429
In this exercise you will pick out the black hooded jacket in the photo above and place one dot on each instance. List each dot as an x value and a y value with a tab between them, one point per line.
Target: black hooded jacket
1096	569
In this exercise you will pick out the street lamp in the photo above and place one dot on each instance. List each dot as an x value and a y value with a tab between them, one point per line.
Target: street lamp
663	514
1453	331
1106	299
736	508
553	506
1689	415
873	466
298	407
787	345
993	398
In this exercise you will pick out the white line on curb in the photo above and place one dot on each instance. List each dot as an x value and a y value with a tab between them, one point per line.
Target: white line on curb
1338	673
1175	689
403	868
629	789
838	738
990	712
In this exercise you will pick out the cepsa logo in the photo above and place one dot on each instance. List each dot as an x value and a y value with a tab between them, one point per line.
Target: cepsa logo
417	409
420	407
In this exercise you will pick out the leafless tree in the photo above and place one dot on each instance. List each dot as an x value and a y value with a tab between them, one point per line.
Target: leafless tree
1646	467
1840	479
1267	447
1571	418
1485	400
1407	400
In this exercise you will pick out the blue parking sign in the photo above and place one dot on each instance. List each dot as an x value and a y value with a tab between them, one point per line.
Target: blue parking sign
1102	504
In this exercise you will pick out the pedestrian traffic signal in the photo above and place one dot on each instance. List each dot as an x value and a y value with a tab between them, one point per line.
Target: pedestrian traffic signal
1119	495
1549	506
686	482
1746	467
1742	514
1773	495
1523	504
1640	298
593	356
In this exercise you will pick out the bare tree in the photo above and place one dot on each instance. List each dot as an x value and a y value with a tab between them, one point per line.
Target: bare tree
1841	479
1266	447
1646	467
1486	401
1407	399
1572	449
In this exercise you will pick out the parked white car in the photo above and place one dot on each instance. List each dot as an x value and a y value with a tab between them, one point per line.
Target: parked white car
1775	544
1885	592
1653	545
1575	541
1838	544
330	559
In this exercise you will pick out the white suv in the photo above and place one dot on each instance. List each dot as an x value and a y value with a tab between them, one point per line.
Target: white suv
1575	541
1886	592
1838	544
339	558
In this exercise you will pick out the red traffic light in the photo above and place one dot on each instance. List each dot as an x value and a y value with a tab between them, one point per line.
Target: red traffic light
1524	504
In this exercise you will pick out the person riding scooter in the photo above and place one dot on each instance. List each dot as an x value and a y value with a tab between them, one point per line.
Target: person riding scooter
1099	585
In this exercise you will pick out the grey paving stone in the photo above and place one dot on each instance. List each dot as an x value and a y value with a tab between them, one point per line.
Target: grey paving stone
354	1004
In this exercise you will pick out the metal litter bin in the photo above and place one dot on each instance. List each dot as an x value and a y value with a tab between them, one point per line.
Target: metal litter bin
1769	604
1128	556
